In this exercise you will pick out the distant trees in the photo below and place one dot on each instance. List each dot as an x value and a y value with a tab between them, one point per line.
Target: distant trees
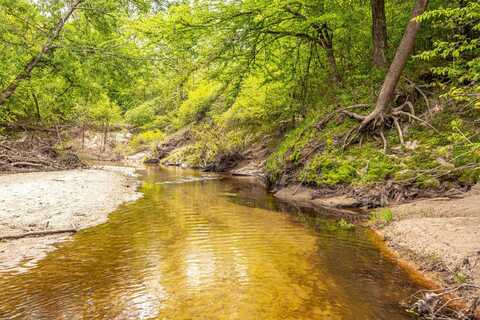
105	113
59	54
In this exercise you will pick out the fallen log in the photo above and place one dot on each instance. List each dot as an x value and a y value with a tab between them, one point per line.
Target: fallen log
25	164
37	234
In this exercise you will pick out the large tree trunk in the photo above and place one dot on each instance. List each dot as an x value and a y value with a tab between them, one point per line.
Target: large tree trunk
6	93
402	54
379	33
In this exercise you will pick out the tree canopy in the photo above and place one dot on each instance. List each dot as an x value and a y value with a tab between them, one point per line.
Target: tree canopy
251	69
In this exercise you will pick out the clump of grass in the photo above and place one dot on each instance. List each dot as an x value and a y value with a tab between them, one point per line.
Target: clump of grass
460	277
381	217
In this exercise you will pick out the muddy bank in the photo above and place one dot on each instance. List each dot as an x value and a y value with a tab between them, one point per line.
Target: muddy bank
43	201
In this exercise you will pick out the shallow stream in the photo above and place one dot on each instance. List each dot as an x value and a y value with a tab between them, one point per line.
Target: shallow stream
198	246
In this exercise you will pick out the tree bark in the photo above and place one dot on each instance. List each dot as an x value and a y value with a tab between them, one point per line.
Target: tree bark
379	33
7	92
402	54
326	41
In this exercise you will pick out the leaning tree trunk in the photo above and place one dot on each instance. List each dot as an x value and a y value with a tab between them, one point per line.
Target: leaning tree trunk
379	33
6	93
402	54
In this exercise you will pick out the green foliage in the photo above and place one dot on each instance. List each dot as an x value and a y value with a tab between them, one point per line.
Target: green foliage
461	44
290	148
261	104
457	49
326	170
199	100
104	111
379	168
211	144
141	115
460	277
240	72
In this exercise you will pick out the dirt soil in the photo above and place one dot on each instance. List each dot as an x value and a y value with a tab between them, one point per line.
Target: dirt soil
440	236
40	201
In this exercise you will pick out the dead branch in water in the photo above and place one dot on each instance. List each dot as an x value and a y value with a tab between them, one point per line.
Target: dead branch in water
37	234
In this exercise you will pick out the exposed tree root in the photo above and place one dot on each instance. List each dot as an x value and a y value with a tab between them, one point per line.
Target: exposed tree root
376	123
321	124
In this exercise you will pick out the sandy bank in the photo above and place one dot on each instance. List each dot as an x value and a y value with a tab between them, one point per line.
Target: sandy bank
39	201
441	237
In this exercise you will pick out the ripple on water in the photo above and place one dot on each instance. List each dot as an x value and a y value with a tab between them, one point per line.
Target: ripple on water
187	251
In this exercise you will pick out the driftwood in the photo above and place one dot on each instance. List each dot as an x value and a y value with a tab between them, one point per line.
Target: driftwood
24	164
445	304
37	234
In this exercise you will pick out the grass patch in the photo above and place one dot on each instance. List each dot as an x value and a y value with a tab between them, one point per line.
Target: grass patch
381	217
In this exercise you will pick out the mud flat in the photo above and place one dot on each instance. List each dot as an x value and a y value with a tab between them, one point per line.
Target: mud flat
40	202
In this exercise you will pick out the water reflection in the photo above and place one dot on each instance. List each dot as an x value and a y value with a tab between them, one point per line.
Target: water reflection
209	249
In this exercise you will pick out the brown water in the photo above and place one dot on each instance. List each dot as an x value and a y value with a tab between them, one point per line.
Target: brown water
196	248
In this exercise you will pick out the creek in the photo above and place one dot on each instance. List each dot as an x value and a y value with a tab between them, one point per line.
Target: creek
202	246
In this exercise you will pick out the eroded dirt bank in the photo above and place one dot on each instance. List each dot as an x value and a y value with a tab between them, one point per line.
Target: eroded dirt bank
40	201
